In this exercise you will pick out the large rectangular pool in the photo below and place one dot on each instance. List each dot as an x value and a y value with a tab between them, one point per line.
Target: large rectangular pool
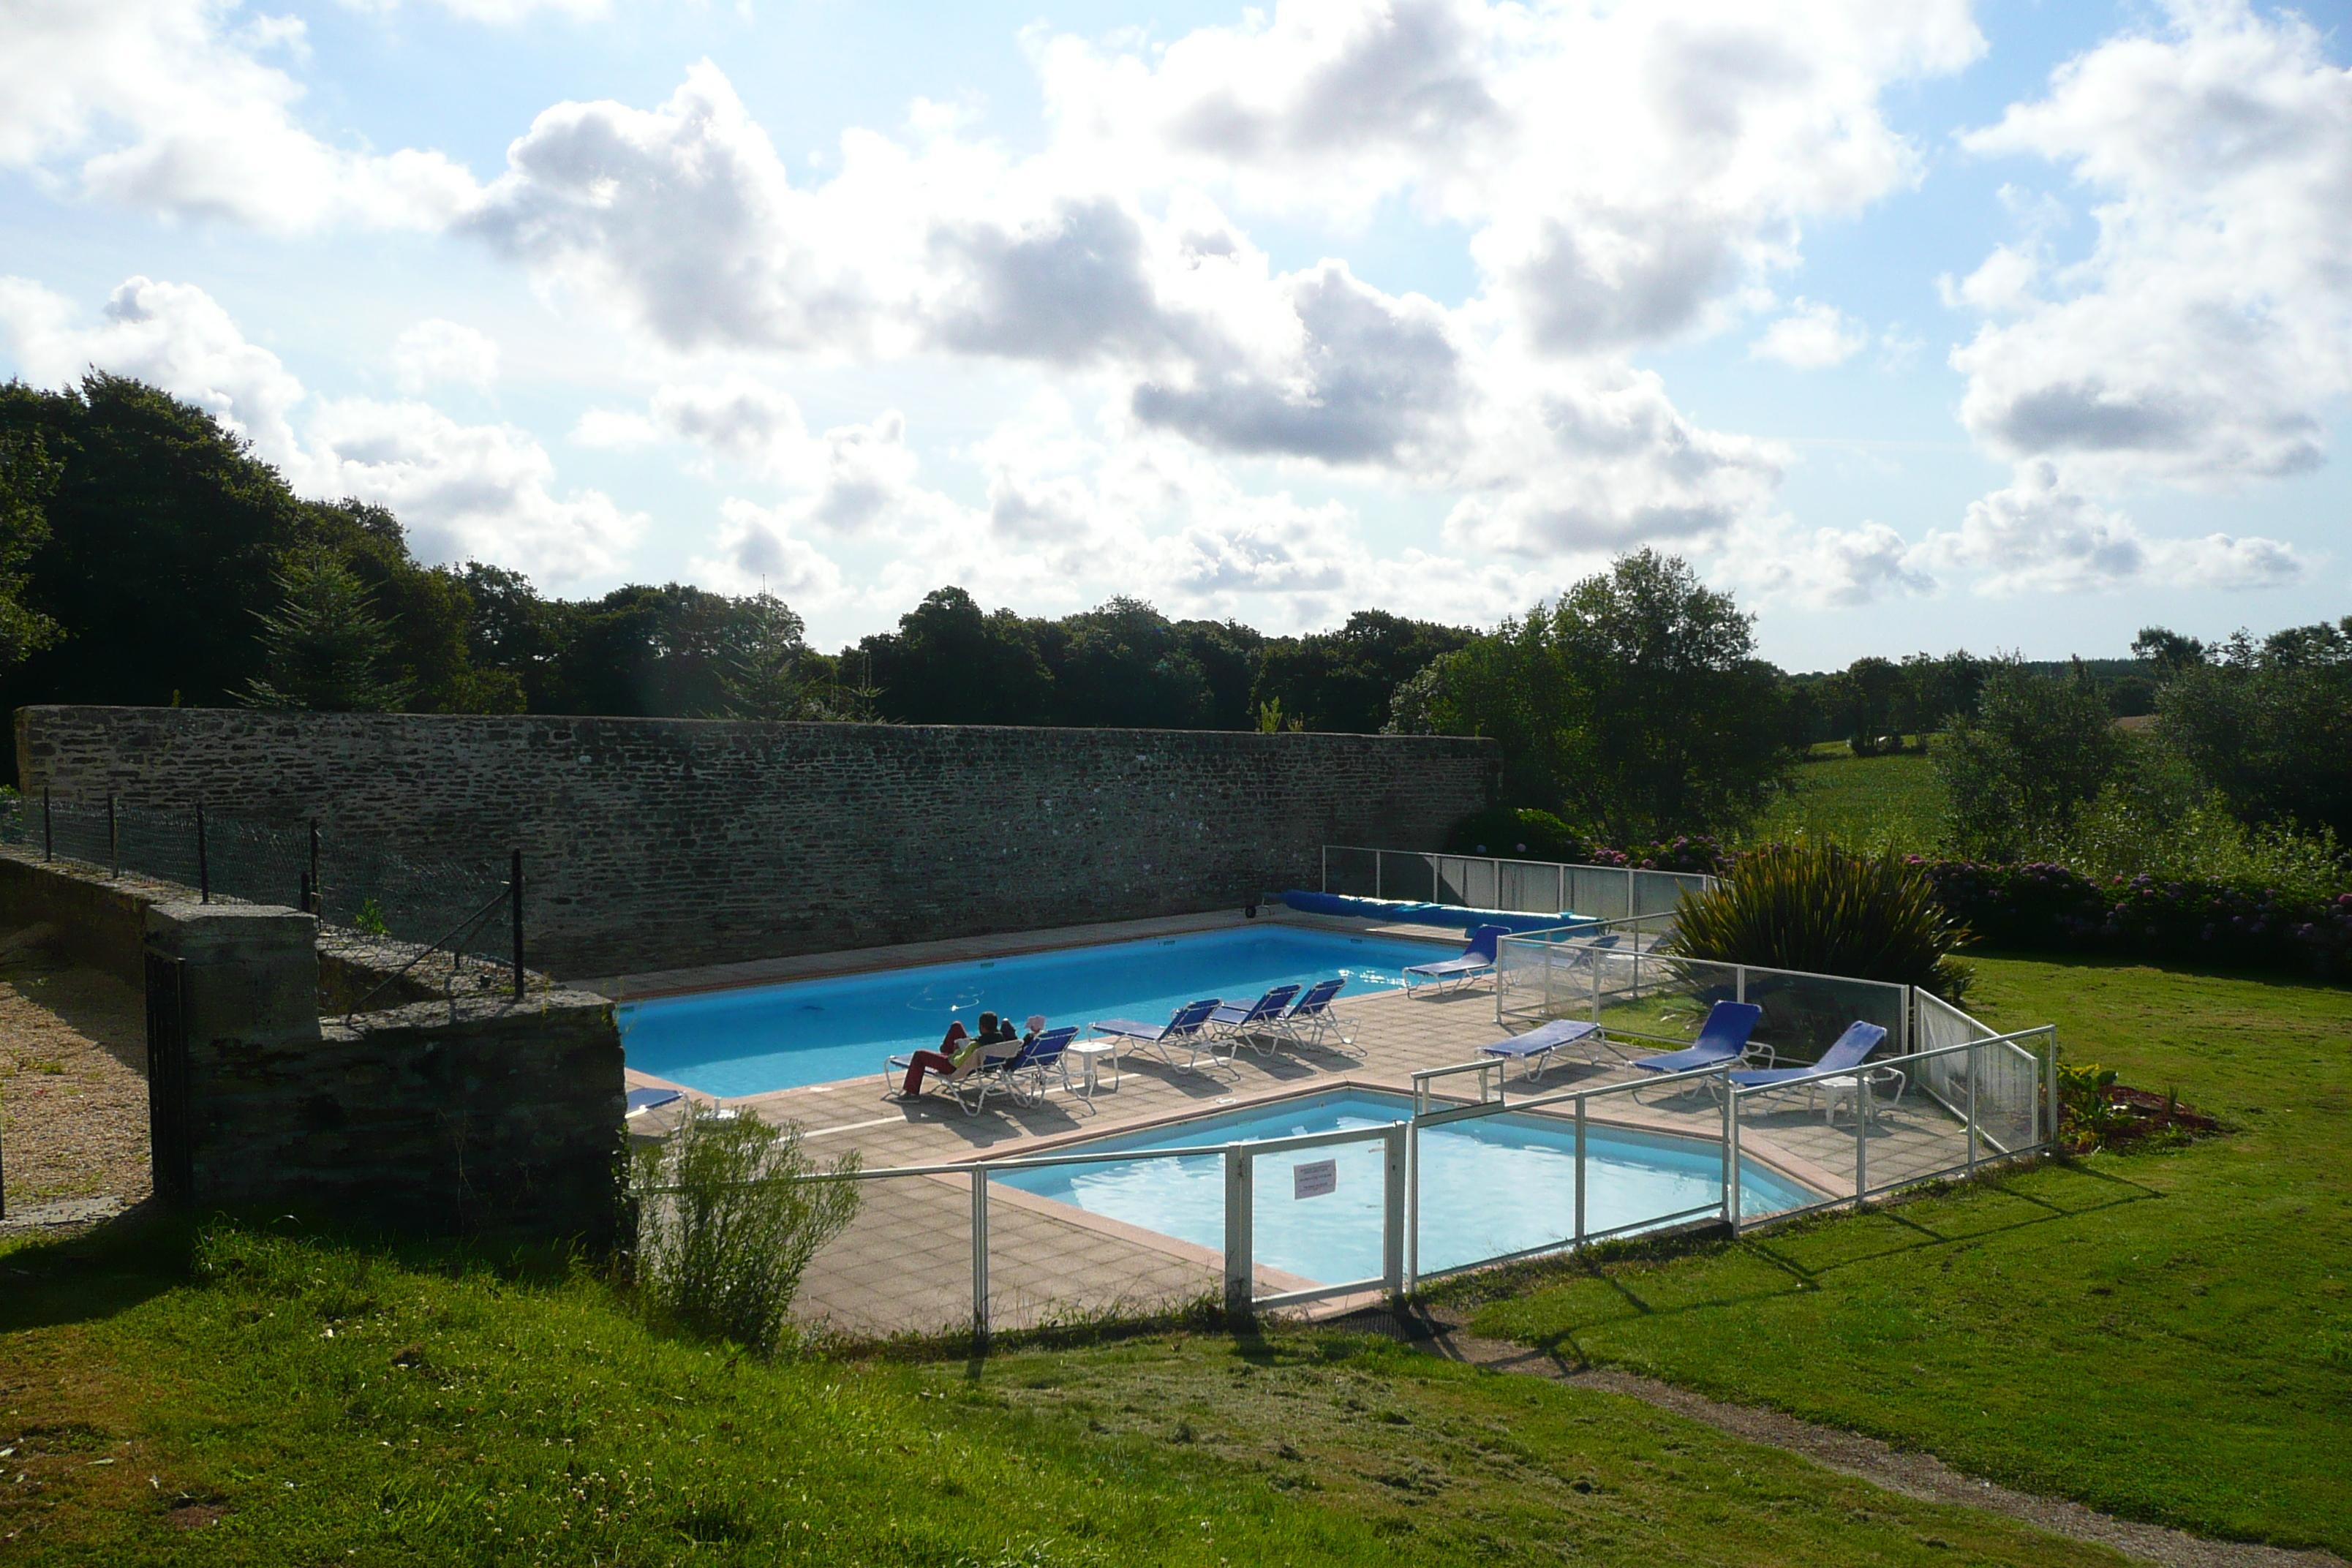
761	1037
1490	1186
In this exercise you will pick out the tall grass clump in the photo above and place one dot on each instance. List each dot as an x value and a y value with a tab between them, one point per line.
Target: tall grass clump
726	1230
1822	910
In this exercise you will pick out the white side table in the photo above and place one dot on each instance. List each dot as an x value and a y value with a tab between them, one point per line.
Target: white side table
1092	1052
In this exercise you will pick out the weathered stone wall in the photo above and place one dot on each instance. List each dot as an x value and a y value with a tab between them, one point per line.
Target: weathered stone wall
95	919
479	1116
657	843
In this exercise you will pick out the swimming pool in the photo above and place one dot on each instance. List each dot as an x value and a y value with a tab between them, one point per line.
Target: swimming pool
815	1031
1489	1187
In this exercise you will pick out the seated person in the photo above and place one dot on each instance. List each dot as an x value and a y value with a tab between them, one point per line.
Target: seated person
955	1050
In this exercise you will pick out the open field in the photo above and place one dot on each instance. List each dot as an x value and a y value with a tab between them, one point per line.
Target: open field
2167	1336
1859	803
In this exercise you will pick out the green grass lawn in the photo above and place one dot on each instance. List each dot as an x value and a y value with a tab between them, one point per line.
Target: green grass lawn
286	1403
2162	1335
1859	803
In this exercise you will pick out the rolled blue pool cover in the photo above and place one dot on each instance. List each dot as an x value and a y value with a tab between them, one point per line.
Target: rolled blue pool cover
1412	912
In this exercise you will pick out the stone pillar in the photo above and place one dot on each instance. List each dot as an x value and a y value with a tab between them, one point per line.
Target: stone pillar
232	1010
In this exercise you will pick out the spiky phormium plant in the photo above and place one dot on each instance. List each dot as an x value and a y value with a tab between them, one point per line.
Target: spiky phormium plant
1822	910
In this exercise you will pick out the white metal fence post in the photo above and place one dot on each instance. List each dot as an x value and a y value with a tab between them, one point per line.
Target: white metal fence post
980	1254
1392	1212
1413	1203
1731	1203
1731	1149
1975	1069
1740	983
2051	1107
1240	1287
1580	1172
1379	864
1861	1139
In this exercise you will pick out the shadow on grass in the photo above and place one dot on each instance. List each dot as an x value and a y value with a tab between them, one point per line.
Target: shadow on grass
109	1269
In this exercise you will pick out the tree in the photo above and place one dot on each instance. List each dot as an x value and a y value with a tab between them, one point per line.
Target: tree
2270	725
1344	681
164	533
28	476
1634	706
950	662
2168	651
762	671
2019	772
1121	665
326	648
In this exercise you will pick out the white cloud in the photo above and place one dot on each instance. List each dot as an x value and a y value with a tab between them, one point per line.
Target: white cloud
2040	533
496	13
2207	335
1625	168
464	491
1811	337
436	352
481	490
1825	567
172	107
171	335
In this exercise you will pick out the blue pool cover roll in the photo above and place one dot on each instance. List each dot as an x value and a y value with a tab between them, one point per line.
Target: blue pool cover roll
1410	913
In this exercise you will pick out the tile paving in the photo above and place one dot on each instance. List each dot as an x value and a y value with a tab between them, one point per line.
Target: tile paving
905	1265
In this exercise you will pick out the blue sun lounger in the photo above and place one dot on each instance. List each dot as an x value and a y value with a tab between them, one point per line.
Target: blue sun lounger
1722	1040
1858	1041
1477	958
1263	1016
1847	1055
1536	1047
1188	1028
1311	1021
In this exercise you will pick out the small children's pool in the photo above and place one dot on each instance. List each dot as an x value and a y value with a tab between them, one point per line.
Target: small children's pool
760	1037
1490	1186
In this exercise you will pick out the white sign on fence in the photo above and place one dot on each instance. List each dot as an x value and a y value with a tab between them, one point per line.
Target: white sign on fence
1315	1179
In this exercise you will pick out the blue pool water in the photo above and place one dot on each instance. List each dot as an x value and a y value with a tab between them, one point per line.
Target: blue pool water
816	1031
1490	1186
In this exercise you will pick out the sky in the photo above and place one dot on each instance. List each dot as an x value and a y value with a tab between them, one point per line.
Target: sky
1916	324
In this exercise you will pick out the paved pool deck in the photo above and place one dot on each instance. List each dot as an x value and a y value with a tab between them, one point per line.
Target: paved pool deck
905	1265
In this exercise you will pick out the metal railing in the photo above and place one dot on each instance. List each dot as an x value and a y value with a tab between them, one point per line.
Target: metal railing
1991	1094
1733	1154
1525	886
218	852
1238	1267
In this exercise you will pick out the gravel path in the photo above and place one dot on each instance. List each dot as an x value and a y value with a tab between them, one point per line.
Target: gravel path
73	1091
1920	1476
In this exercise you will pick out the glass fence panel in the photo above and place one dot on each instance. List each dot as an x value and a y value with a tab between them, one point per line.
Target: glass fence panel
1047	1264
1494	1186
1355	873
1409	877
1315	1215
1804	1015
1599	892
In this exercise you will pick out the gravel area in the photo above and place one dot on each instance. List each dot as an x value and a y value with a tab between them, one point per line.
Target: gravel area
1914	1475
73	1090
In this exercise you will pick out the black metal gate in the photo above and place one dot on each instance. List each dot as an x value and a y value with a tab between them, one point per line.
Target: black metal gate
171	1138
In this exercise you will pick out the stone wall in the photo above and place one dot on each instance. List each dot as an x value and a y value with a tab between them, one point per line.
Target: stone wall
657	843
94	919
481	1116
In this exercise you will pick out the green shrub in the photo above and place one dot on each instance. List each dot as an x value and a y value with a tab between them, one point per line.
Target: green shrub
1517	833
725	1227
1816	908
